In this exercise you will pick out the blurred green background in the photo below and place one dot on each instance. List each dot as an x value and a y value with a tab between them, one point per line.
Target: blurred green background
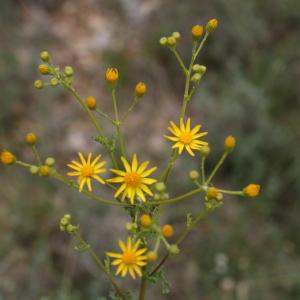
250	248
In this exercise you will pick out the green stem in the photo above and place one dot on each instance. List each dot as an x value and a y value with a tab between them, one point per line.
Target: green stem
118	123
143	287
131	107
36	154
202	168
100	265
179	59
170	164
236	193
106	116
216	168
94	121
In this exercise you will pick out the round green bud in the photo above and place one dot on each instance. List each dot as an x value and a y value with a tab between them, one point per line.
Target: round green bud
44	55
194	174
64	221
71	228
196	77
171	41
50	161
164	196
38	84
199	69
205	150
54	81
34	170
160	187
157	197
67	216
68	71
62	228
176	35
163	41
173	249
129	226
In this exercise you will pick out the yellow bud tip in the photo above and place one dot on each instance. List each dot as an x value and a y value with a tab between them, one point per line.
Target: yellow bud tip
194	174
112	75
44	69
140	89
167	230
151	256
205	150
31	138
146	220
91	102
7	158
45	171
229	143
197	31
251	190
212	193
171	41
44	55
212	25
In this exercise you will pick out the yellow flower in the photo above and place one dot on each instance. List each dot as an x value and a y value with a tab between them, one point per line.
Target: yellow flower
131	260
251	190
134	180
212	25
185	137
146	220
112	75
229	143
86	170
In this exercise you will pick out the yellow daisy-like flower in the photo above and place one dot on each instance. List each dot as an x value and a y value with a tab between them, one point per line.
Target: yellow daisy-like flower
134	180
131	260
86	170
185	137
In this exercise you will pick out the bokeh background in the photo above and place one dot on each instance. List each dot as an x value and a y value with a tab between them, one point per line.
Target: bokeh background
250	248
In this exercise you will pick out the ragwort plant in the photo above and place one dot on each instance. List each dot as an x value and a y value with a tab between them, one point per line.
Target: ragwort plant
137	186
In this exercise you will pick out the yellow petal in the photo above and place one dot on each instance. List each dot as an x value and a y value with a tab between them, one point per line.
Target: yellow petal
131	272
136	245
188	124
122	246
134	163
114	255
82	183
171	138
82	158
126	164
73	173
116	179
182	128
89	158
98	179
148	172
189	150
120	190
142	167
195	129
88	181
77	168
137	270
141	194
96	160
124	271
149	180
120	269
146	189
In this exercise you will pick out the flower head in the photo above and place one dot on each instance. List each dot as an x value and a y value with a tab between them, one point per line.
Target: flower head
91	102
86	170
131	260
134	180
229	143
211	25
7	158
185	137
197	31
44	69
31	138
251	190
140	89
112	75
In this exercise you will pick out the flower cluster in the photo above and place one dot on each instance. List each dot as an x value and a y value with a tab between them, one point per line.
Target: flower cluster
139	192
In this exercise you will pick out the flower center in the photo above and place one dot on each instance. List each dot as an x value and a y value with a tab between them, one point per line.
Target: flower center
87	171
132	178
129	258
186	137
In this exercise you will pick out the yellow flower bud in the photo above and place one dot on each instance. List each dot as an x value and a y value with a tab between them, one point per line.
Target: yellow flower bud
160	187
229	143
151	256
163	41
68	71
251	190
91	102
54	81
194	174
173	249
112	75
140	89
197	31
7	158
45	171
211	25
167	230
31	138
176	35
212	193
44	69
44	55
50	161
34	170
146	220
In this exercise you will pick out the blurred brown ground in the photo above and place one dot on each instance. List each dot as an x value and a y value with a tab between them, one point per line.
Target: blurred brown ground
249	249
